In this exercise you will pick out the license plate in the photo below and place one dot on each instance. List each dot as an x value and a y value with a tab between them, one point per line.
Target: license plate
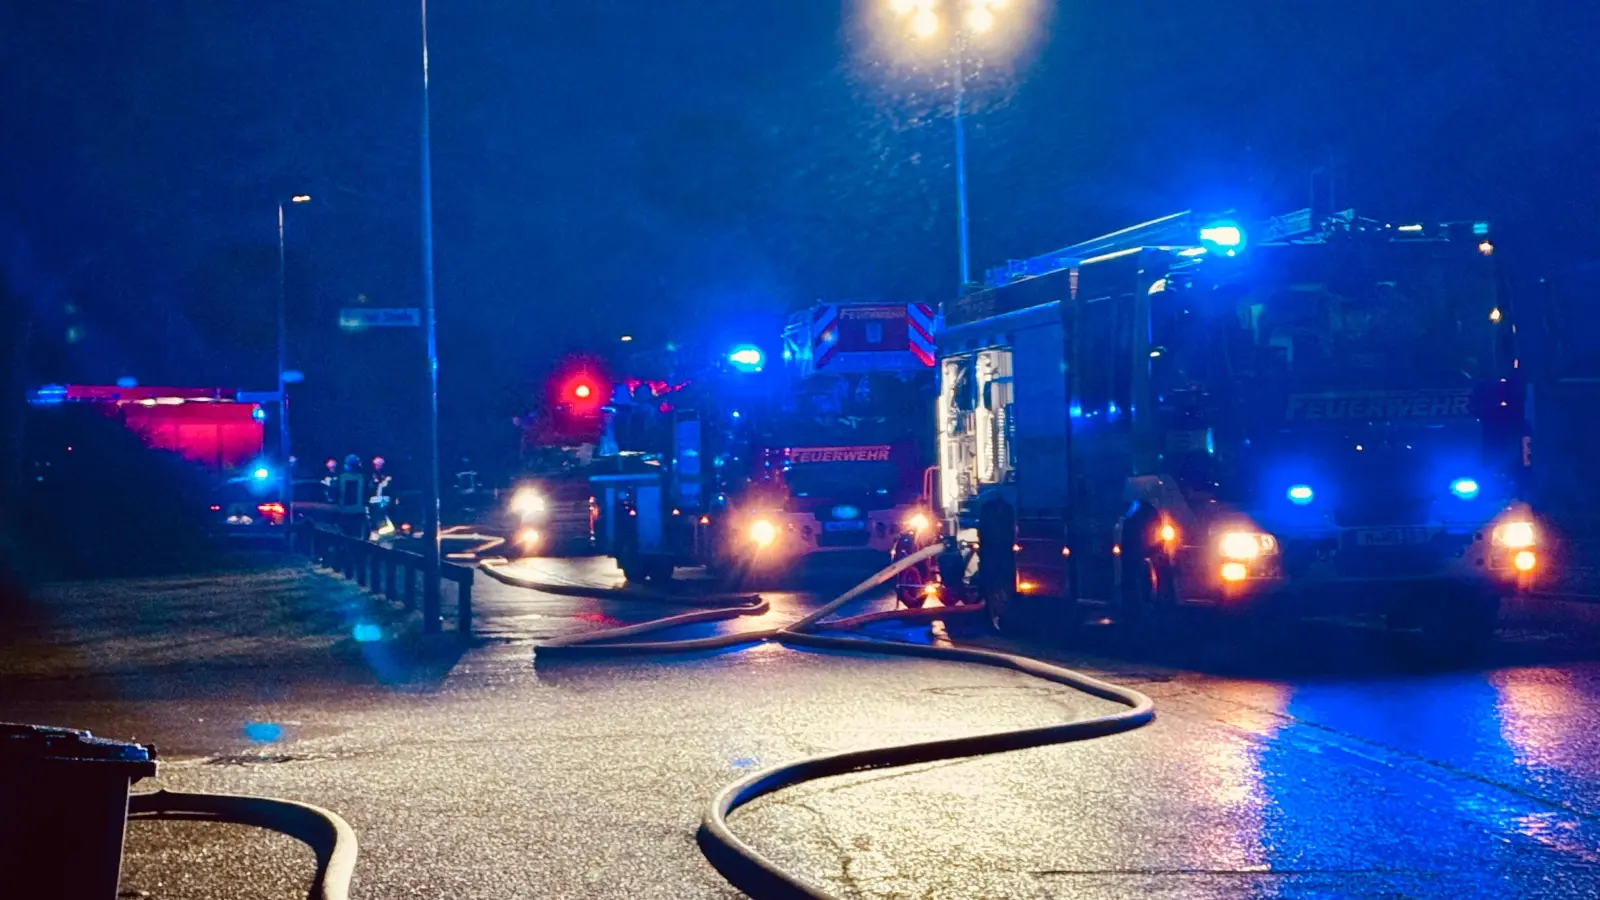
843	526
1391	537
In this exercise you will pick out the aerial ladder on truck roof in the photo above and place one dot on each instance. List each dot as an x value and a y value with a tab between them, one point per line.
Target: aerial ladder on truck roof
1180	231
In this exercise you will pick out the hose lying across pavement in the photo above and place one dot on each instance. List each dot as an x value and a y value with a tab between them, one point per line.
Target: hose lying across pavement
497	571
740	863
329	836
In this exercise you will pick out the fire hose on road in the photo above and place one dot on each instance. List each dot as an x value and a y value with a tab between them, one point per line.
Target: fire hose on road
328	836
740	863
334	842
498	571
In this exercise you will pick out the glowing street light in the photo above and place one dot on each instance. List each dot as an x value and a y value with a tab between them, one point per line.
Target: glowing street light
974	18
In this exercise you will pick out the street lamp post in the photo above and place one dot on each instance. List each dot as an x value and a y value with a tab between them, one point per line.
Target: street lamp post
283	366
925	22
430	590
961	174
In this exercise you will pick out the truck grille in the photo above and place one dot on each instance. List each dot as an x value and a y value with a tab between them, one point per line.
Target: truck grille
1381	511
843	539
1381	562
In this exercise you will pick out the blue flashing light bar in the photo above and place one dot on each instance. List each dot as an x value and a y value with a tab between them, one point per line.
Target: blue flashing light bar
747	358
1465	488
49	395
1223	236
1301	494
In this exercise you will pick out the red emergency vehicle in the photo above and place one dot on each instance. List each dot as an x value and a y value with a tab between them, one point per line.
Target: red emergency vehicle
209	427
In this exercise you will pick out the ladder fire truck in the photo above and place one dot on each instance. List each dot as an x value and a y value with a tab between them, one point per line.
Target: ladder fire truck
754	471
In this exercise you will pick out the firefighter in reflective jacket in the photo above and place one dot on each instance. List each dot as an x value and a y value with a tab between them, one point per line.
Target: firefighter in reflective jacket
380	499
330	481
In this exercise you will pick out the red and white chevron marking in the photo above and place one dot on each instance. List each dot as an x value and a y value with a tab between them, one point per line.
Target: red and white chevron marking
920	330
824	334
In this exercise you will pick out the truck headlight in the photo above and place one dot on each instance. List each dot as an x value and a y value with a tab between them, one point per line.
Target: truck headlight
527	501
918	522
763	532
1514	535
1244	546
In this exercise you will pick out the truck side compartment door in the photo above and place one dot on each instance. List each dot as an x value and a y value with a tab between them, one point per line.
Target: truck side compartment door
1100	440
1041	447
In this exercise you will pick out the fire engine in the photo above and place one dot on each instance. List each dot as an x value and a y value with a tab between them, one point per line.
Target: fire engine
675	467
759	470
843	462
1305	415
547	507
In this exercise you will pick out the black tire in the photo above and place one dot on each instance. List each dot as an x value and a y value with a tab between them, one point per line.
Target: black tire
1136	592
951	567
1144	603
908	587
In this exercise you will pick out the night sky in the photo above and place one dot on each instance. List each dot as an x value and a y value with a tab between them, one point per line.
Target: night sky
616	167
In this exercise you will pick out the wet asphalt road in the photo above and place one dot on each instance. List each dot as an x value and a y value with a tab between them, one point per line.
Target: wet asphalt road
1321	766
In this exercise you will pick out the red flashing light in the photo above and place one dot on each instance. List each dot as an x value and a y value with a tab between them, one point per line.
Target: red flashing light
582	391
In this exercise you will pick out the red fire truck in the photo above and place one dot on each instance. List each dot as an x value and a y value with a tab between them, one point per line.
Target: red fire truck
841	461
754	470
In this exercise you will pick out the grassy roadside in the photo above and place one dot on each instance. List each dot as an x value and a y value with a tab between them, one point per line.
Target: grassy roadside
249	612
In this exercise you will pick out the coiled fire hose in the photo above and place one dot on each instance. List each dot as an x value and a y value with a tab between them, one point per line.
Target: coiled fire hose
738	862
334	842
328	836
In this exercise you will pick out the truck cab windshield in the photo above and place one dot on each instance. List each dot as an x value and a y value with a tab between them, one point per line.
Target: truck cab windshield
1391	317
831	479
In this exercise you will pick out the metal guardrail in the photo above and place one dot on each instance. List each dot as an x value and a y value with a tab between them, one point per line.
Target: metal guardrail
387	571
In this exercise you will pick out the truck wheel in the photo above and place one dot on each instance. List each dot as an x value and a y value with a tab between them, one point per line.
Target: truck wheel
908	587
1139	599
